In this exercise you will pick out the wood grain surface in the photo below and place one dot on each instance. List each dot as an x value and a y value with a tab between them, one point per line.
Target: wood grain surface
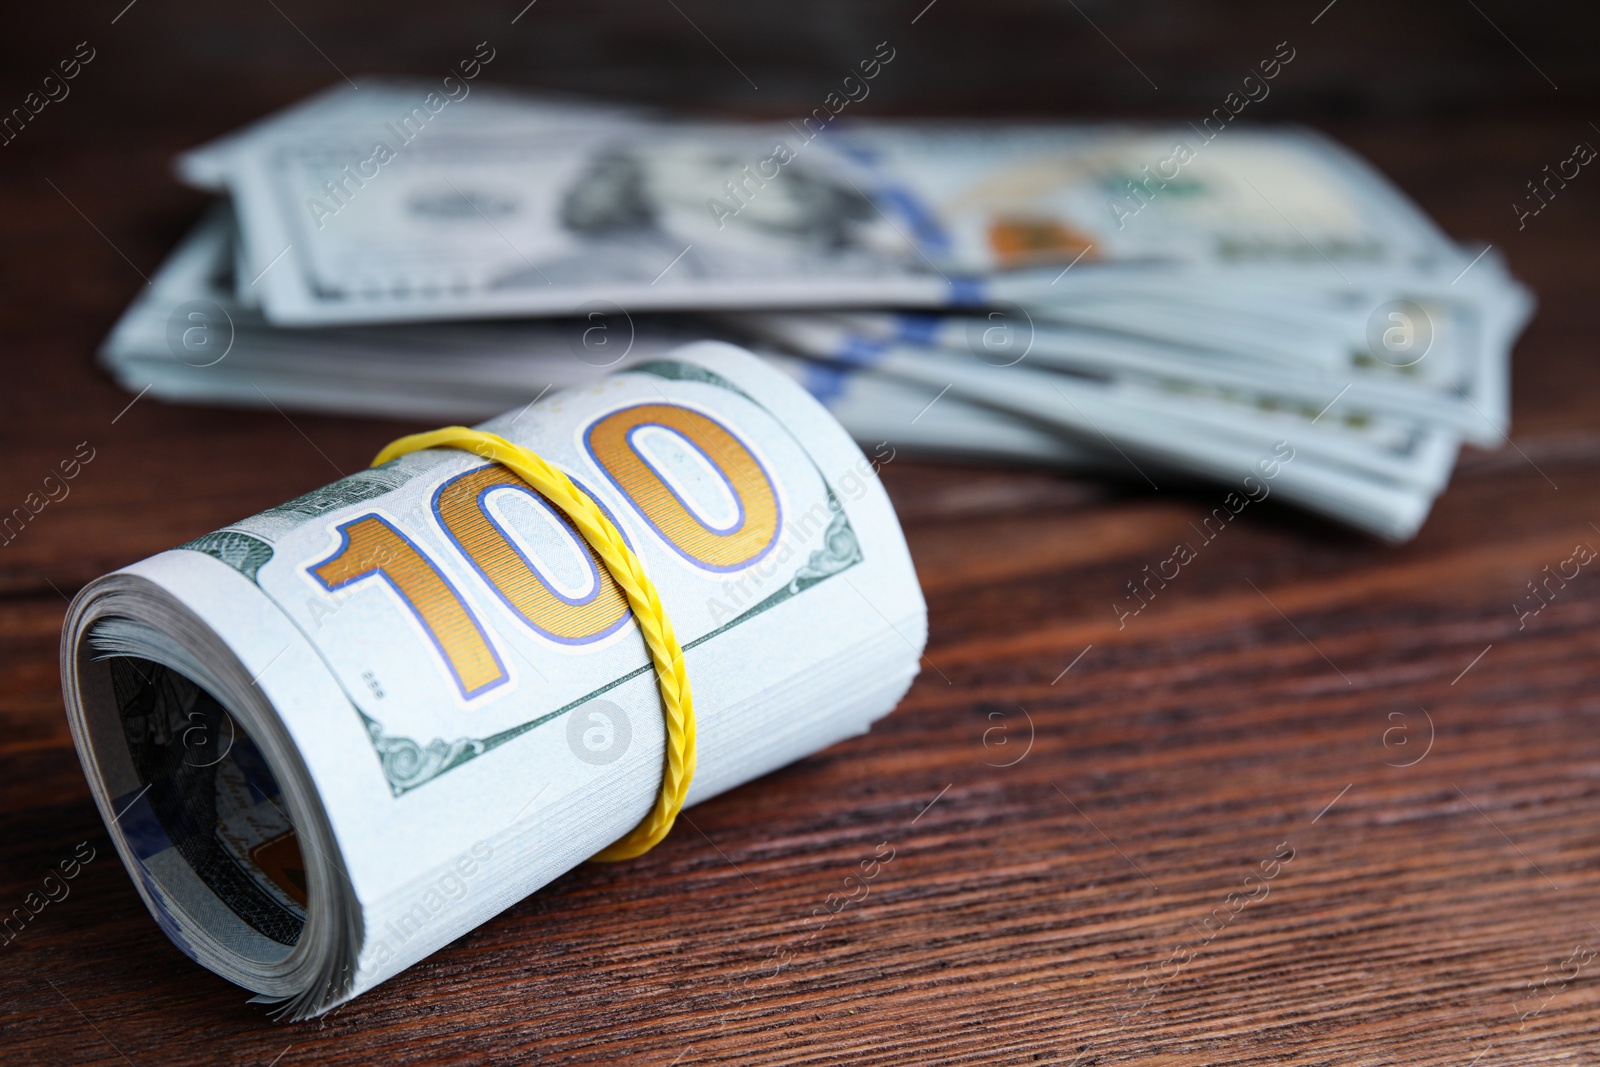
1073	808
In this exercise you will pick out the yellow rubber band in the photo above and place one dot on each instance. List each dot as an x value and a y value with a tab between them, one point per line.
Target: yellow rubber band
677	705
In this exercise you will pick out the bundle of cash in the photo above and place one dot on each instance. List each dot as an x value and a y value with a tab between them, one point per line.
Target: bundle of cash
333	737
1147	302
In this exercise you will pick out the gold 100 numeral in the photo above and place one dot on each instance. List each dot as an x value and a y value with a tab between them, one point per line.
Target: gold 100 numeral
370	547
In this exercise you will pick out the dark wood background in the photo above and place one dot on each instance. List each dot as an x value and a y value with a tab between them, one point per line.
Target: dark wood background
1033	913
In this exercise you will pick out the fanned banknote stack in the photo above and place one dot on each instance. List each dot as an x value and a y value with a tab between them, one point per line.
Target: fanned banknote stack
1151	303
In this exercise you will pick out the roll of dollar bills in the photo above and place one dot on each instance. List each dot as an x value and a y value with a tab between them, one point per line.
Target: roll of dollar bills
331	738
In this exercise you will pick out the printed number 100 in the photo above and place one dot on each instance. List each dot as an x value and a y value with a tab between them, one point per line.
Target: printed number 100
371	548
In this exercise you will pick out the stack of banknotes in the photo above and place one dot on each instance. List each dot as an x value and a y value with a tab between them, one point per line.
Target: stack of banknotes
1162	304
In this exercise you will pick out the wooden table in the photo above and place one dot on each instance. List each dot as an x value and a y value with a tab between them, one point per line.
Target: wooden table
1073	807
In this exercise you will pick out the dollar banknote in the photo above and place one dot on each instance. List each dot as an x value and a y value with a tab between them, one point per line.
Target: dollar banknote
330	738
187	337
1379	475
373	206
1460	384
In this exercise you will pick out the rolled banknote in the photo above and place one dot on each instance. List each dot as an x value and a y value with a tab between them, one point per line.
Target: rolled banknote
333	737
